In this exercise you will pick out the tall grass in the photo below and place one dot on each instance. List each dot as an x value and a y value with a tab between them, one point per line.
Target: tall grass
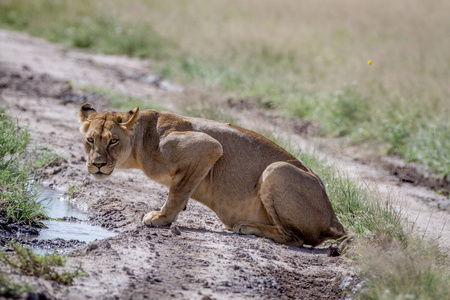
420	270
18	181
308	59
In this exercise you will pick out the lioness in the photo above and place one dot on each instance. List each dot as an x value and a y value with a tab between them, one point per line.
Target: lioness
253	185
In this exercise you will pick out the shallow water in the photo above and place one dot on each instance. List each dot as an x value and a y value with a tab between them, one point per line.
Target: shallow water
58	206
76	231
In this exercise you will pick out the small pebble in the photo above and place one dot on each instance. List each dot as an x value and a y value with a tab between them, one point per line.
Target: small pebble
175	230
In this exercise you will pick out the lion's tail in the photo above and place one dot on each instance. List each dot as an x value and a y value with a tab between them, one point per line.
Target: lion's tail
345	237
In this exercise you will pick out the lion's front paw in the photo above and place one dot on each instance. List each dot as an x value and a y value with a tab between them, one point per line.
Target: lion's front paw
155	218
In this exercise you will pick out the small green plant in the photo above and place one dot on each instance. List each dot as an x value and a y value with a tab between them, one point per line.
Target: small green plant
44	266
72	191
46	157
11	289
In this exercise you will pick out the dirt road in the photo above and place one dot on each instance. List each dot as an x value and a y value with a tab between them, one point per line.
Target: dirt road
200	260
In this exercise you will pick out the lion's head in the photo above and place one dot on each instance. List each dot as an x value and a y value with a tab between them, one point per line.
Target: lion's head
107	138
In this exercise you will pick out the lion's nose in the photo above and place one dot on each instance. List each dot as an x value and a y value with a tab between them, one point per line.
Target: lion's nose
99	165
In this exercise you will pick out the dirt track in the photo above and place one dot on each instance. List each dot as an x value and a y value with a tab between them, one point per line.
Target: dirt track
157	263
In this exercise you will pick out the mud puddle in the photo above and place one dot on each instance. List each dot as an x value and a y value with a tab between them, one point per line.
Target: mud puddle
69	226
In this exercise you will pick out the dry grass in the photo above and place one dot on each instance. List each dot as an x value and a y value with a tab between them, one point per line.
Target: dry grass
419	270
320	45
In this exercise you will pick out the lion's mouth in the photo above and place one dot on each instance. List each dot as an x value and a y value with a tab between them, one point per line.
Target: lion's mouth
100	175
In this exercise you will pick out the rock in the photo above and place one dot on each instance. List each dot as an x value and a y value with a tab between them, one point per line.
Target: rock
107	245
175	230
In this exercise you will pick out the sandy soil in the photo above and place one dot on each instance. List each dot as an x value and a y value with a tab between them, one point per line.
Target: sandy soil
195	258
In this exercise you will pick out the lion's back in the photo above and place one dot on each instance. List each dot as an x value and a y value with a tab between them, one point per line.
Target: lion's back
246	155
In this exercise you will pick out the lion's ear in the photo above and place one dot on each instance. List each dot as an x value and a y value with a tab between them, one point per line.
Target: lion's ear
129	121
87	111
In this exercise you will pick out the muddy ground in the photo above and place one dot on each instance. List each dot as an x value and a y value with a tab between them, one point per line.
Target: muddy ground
196	258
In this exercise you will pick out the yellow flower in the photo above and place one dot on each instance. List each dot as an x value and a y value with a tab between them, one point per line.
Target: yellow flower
369	62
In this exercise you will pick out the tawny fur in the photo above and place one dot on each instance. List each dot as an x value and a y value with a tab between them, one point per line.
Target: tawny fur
253	185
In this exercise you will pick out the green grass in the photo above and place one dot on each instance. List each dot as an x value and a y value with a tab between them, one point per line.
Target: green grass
430	145
401	128
44	266
18	181
18	198
74	26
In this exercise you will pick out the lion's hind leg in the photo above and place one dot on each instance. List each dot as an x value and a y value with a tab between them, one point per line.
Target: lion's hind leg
298	205
272	232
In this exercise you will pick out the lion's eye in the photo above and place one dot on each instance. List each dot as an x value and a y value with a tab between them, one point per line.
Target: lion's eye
113	141
90	140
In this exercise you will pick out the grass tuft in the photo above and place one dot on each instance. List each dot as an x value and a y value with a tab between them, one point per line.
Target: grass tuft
44	266
18	181
72	191
10	289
